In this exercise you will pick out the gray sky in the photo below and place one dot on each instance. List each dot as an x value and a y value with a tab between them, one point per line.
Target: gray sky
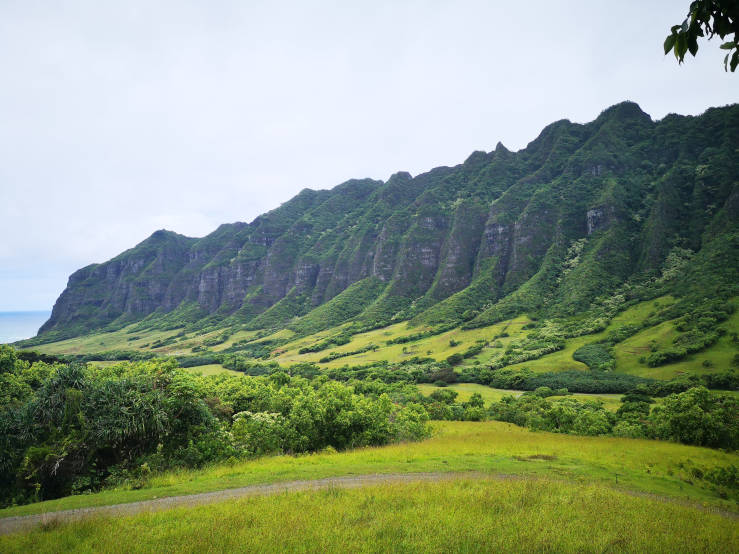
120	118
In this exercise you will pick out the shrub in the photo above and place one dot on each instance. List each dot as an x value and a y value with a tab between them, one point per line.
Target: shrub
699	417
595	356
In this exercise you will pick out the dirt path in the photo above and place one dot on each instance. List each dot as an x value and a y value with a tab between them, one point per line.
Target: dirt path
19	523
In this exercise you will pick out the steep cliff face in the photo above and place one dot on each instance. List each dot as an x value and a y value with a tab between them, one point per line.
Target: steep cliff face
606	200
129	286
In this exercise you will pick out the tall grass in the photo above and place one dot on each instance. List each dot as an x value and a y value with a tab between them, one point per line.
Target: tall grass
449	516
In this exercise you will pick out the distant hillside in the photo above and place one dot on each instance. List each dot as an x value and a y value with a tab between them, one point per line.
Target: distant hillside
585	210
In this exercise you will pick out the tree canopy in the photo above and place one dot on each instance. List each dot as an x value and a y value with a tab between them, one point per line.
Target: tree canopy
707	18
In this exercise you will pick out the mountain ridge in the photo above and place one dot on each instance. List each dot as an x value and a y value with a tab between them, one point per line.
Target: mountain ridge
578	212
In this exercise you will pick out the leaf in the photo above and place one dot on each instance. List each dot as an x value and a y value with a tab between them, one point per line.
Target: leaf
726	46
670	42
681	46
692	45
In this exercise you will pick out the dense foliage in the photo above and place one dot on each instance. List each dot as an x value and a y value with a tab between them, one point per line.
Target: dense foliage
707	17
695	416
70	428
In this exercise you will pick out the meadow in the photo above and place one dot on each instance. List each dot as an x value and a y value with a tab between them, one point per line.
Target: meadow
385	345
481	515
495	448
719	355
490	394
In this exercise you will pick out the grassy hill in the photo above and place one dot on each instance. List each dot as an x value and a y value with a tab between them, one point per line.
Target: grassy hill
529	485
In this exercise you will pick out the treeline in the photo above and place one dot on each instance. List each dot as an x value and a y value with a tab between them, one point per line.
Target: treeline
419	370
68	428
427	370
696	416
337	340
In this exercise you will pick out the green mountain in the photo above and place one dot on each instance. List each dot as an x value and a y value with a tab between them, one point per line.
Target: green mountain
584	220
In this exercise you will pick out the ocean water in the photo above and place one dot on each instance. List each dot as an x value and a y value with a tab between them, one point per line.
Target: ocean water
20	325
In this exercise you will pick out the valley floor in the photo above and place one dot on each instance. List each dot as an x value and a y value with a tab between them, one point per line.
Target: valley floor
379	346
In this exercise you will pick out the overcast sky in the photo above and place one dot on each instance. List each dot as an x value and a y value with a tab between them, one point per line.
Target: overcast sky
120	118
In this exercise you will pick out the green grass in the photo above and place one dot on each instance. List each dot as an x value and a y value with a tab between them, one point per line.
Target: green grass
610	401
465	515
466	390
489	394
100	342
562	360
437	346
103	363
230	341
492	447
721	354
628	352
212	369
121	340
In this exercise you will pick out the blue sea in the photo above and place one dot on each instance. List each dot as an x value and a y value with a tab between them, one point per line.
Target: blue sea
21	325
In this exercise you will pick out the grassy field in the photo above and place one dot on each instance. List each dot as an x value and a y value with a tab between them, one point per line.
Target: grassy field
466	390
489	394
562	360
492	447
610	401
100	342
128	339
209	369
212	369
628	352
540	515
438	347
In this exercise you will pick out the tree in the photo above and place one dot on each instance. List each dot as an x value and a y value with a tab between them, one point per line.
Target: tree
700	417
707	18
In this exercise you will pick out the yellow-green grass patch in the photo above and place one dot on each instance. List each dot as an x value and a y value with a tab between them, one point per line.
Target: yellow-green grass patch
562	360
720	355
466	515
212	369
490	394
466	390
611	402
438	347
104	341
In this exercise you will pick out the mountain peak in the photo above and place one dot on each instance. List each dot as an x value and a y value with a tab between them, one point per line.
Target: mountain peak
478	156
399	177
624	111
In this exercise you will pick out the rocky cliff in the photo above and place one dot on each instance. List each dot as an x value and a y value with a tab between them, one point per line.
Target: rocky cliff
579	211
